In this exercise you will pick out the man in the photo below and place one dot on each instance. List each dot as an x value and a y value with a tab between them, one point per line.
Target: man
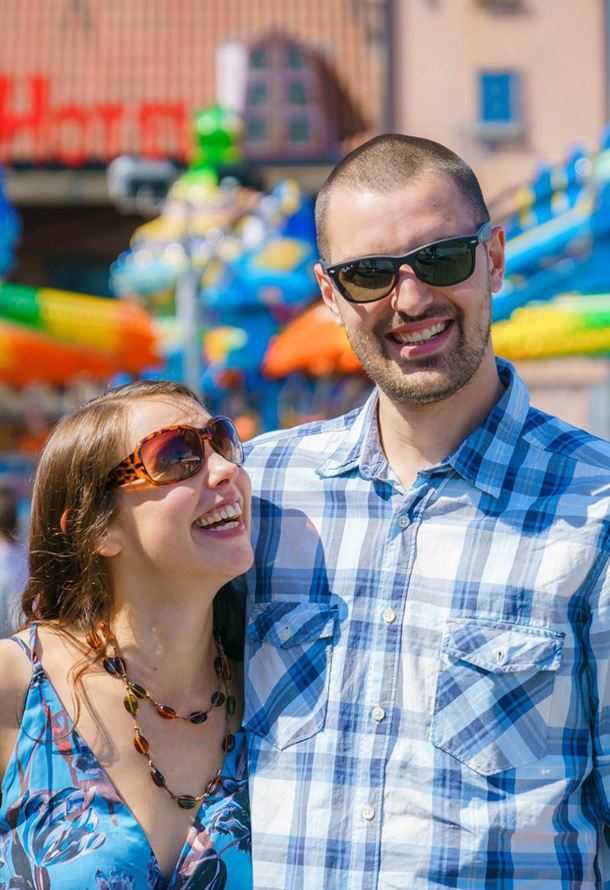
429	622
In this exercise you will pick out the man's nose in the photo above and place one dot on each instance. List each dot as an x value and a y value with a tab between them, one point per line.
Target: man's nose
410	295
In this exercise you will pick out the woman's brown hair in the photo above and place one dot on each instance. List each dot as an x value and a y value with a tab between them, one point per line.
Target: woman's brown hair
70	585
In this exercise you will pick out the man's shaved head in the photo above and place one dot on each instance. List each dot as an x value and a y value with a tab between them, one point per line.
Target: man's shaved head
387	163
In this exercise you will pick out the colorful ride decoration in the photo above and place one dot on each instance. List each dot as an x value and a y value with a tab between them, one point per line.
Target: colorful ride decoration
53	335
10	230
570	325
559	237
255	253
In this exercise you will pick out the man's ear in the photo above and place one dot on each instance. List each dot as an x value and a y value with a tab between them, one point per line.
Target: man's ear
496	258
328	293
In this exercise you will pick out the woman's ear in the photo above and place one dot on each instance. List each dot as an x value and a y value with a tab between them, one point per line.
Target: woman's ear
111	545
63	522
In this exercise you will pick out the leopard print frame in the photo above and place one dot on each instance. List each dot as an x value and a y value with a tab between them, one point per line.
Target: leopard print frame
132	467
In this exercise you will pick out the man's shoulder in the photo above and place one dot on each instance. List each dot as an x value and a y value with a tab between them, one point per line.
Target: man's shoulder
555	437
316	438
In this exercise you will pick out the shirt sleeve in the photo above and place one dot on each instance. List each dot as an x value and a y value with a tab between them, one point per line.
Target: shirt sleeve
597	644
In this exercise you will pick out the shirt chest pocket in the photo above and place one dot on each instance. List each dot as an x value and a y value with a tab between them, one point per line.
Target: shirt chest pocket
289	653
494	692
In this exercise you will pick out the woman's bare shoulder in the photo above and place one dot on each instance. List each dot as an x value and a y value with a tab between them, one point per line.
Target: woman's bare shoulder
15	677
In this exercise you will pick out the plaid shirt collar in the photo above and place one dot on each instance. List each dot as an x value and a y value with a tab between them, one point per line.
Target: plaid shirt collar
484	459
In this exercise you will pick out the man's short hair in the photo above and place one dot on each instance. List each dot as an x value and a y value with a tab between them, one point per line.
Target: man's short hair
8	514
390	162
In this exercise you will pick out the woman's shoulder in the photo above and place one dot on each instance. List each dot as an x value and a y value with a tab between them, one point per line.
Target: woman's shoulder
15	677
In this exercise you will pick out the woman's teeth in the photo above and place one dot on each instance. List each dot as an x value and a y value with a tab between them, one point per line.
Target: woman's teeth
421	336
228	517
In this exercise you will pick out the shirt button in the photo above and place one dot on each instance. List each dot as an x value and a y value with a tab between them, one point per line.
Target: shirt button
404	522
368	812
378	714
389	616
284	634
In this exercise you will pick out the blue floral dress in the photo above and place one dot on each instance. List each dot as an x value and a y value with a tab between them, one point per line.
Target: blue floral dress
63	826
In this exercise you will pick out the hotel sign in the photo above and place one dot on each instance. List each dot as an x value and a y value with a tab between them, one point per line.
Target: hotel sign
36	129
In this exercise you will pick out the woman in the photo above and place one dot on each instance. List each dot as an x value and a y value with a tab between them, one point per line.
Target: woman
121	699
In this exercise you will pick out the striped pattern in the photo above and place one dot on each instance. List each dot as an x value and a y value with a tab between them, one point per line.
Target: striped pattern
428	697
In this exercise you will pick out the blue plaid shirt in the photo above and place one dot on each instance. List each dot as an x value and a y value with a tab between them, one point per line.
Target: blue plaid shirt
427	670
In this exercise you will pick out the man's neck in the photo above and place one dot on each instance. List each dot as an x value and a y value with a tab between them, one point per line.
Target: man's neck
416	437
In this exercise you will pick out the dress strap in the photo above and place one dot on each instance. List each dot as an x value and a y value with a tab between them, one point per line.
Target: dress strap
30	650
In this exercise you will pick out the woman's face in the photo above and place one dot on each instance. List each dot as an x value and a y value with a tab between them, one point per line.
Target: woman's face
161	529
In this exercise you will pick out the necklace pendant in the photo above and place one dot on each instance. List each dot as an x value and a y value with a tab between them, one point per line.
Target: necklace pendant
166	712
198	717
157	777
231	704
213	785
131	703
140	744
226	669
138	690
218	699
115	665
94	640
229	743
218	664
186	801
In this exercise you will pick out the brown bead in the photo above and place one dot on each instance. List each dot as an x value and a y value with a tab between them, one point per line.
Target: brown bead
157	777
166	711
94	640
213	785
229	743
138	691
186	802
140	744
218	699
231	704
198	717
226	671
131	703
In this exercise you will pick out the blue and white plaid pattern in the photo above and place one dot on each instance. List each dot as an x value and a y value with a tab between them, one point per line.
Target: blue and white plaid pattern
427	670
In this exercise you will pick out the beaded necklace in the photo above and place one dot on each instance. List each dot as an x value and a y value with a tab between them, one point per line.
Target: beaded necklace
116	666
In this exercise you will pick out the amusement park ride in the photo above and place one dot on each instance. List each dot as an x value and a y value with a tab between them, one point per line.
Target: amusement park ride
260	338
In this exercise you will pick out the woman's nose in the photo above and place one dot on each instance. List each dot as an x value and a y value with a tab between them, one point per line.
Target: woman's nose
219	469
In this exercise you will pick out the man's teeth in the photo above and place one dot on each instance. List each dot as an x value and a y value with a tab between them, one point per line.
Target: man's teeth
421	336
231	511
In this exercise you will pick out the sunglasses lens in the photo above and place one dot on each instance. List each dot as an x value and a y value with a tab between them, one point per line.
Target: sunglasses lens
444	264
174	455
225	440
367	280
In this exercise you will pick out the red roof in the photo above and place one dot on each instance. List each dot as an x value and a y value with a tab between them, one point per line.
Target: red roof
90	79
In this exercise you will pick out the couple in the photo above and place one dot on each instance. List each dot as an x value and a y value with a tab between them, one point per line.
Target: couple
428	622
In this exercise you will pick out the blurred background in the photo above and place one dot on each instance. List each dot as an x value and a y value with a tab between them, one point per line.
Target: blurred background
159	160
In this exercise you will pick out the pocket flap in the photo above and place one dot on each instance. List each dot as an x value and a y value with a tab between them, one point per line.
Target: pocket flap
288	624
500	647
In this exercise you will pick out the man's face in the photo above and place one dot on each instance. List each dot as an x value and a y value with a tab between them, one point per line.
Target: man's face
390	336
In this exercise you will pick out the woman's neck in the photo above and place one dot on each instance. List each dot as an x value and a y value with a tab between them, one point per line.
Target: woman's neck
167	645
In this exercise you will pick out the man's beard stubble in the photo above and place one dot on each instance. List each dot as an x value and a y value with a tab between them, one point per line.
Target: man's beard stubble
417	390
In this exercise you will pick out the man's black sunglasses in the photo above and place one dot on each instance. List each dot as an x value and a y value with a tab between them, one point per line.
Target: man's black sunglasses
439	264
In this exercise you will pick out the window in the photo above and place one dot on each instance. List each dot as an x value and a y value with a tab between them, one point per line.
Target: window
299	129
258	59
257	94
257	129
499	103
295	58
296	93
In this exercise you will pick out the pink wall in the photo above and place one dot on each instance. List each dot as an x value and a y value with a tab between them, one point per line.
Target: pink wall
559	48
